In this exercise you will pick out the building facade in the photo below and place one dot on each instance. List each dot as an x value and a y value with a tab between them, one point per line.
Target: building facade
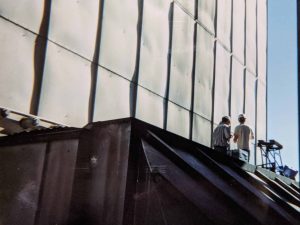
177	64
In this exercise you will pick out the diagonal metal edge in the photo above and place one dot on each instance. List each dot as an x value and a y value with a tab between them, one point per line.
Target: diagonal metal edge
259	186
288	187
243	183
278	189
198	198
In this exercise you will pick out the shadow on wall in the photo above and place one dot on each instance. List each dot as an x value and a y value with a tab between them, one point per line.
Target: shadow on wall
94	64
135	77
39	57
165	108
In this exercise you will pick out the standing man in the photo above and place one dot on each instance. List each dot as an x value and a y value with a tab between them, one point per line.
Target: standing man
242	134
222	135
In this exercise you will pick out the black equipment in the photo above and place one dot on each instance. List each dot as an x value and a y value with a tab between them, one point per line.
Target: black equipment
271	158
271	155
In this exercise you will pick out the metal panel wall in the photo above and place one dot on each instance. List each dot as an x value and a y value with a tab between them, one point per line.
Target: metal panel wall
250	108
204	73
251	35
151	112
66	87
158	61
27	13
16	70
77	30
206	13
178	120
261	111
112	96
188	6
182	58
224	22
250	98
201	130
222	84
238	29
261	116
119	37
237	91
155	45
262	40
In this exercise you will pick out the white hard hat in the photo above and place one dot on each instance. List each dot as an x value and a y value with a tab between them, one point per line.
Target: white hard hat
242	116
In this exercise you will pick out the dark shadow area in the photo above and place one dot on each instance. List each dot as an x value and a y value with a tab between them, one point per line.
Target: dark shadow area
40	49
166	99
214	74
95	63
298	41
193	73
135	77
193	82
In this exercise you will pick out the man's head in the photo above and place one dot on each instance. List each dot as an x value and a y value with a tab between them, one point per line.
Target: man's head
242	118
226	120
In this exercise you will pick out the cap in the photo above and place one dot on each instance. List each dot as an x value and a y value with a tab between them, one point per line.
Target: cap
242	116
226	117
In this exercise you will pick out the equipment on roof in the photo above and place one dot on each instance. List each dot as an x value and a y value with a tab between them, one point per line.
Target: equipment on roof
271	158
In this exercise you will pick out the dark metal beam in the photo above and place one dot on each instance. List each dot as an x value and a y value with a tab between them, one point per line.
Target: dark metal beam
298	42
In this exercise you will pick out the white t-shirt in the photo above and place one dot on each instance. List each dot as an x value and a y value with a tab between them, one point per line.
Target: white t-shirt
244	133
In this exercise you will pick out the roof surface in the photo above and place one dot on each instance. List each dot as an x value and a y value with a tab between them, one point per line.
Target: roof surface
131	172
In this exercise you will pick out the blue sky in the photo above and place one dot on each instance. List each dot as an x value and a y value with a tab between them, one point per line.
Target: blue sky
282	78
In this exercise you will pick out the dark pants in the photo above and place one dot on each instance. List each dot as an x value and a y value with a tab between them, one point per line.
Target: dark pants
222	149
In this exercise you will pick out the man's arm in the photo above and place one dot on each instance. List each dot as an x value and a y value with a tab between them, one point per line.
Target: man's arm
235	137
227	133
251	134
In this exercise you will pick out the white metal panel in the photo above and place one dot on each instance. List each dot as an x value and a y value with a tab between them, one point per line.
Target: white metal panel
188	5
154	45
206	13
149	107
178	120
204	73
262	39
222	84
201	130
261	111
66	87
238	32
251	35
261	123
27	13
16	67
181	59
119	37
73	24
224	22
237	91
112	96
250	98
250	108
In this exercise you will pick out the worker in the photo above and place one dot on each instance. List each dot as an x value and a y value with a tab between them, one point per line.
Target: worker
222	135
242	134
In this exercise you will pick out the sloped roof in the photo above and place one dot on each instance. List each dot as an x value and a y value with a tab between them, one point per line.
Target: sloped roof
130	172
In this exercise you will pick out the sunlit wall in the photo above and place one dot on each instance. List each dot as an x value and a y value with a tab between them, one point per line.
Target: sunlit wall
180	65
